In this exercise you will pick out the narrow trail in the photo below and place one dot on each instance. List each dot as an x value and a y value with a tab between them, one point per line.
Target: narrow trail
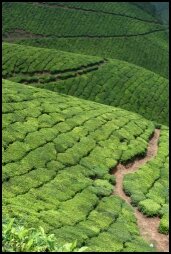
148	225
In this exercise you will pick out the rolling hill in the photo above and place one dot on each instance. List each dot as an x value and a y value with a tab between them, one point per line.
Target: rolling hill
85	126
106	81
89	28
60	168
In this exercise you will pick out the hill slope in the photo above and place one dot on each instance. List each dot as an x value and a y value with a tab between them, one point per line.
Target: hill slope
106	81
59	175
84	113
90	29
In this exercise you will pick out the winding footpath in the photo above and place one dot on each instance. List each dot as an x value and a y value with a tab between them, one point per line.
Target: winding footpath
148	225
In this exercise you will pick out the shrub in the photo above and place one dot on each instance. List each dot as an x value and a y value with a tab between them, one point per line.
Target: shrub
17	238
105	243
89	228
103	187
100	219
149	207
137	197
164	210
158	192
17	149
164	224
110	178
108	203
138	245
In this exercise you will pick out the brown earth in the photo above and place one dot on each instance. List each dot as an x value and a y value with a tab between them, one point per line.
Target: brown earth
148	225
19	34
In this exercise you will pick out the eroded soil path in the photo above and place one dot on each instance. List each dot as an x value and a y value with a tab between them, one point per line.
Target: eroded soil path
148	225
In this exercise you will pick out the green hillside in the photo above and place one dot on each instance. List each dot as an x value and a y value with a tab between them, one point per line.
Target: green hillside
85	127
116	30
29	60
106	81
59	175
126	9
54	15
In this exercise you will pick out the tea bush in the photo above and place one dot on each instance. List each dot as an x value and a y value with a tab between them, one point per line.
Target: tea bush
17	238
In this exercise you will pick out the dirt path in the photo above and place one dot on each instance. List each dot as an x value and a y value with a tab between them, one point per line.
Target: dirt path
19	34
148	226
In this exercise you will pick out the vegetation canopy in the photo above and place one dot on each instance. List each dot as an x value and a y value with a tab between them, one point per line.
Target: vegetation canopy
85	127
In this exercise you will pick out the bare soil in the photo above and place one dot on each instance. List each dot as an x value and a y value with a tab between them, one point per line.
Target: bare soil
148	225
19	34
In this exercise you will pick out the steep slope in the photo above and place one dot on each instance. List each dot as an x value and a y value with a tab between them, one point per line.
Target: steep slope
115	30
106	81
59	173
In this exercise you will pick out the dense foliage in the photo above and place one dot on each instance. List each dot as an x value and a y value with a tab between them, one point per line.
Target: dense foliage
84	88
109	24
110	82
99	30
62	149
17	238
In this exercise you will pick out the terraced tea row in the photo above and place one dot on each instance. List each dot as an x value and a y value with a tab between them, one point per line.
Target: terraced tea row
150	189
59	174
148	54
97	33
109	25
120	84
110	82
114	8
19	59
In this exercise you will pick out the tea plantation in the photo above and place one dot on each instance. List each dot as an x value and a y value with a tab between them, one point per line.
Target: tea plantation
106	81
123	31
85	127
54	16
31	60
62	149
